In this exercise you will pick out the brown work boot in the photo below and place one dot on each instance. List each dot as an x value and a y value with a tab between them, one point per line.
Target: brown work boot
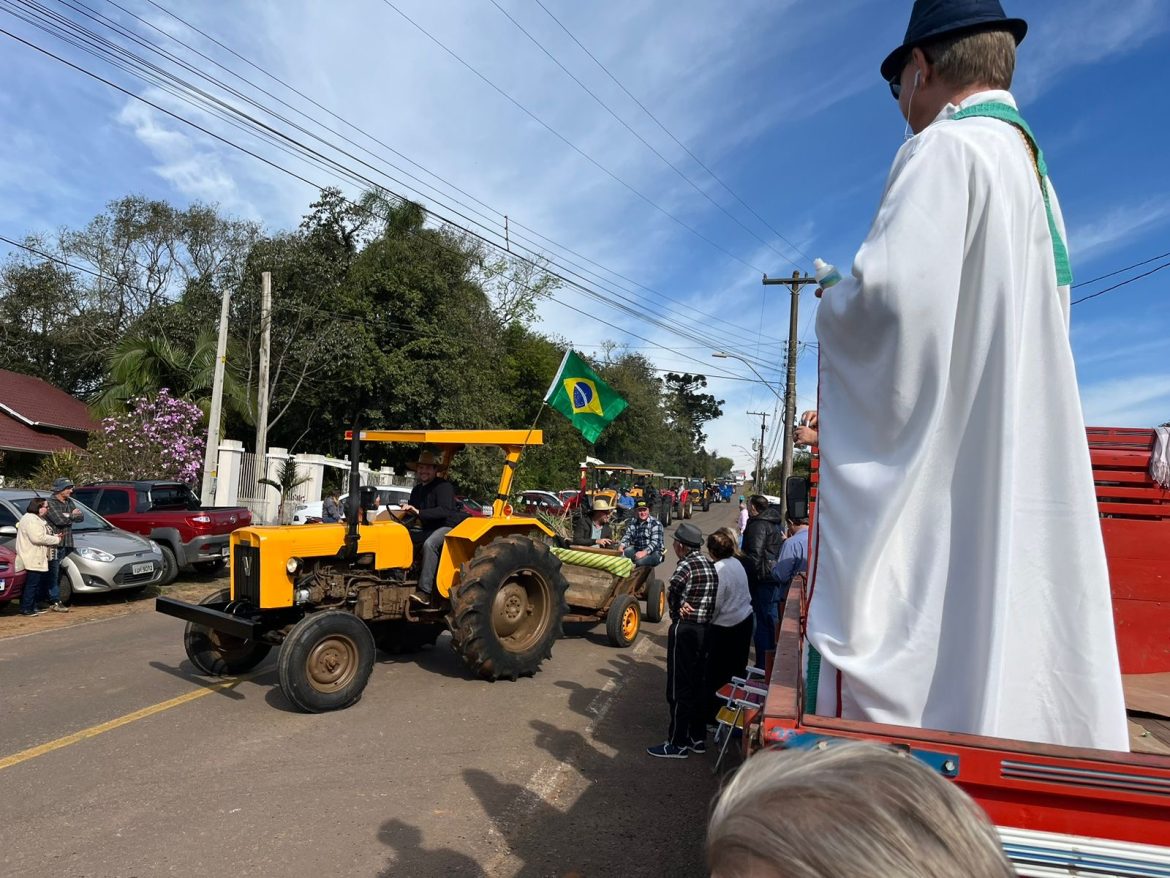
423	598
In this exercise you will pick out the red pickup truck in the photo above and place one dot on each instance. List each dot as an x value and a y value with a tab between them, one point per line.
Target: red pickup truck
170	514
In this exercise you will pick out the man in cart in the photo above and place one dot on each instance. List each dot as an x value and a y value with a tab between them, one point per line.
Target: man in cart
958	576
644	539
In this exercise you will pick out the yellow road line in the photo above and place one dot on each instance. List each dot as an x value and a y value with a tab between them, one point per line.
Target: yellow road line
102	728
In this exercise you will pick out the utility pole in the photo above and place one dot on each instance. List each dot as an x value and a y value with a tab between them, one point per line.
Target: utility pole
215	418
262	380
795	282
759	486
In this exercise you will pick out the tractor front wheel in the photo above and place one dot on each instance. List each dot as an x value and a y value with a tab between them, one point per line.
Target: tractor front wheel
217	654
325	661
508	608
690	509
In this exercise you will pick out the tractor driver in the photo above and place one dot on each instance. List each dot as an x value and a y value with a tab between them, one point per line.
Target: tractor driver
432	500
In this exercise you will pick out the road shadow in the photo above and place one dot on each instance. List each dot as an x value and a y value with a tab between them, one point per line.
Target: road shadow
411	858
439	659
188	673
604	807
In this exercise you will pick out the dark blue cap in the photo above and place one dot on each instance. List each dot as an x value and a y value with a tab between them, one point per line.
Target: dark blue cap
934	19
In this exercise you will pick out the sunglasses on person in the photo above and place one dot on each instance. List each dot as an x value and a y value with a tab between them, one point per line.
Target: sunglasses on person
895	85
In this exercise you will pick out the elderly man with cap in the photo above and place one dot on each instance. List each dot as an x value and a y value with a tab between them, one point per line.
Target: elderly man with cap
644	540
958	573
593	529
691	600
432	502
62	515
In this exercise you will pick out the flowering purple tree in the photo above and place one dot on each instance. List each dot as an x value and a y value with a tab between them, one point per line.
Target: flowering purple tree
157	437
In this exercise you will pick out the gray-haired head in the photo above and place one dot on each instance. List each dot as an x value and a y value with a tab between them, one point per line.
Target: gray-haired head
854	809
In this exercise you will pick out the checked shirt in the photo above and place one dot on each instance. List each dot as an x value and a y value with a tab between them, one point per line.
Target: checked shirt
696	582
646	535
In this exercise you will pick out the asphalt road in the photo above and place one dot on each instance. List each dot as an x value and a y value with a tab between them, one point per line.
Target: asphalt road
116	760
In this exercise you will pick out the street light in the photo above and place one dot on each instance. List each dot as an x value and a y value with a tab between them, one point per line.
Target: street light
723	355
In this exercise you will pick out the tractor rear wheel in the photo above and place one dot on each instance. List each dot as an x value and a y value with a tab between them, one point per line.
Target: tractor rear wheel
508	608
655	600
217	654
325	661
623	621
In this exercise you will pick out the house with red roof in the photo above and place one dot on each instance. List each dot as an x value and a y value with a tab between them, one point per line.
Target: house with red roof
36	419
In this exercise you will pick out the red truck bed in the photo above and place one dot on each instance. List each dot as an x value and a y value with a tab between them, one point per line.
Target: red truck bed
1060	810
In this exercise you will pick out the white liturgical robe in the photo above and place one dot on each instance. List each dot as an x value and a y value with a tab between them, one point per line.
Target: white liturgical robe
958	571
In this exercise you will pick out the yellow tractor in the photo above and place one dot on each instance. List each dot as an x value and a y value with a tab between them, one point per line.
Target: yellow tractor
329	595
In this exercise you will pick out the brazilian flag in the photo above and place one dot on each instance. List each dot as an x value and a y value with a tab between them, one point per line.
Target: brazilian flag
587	401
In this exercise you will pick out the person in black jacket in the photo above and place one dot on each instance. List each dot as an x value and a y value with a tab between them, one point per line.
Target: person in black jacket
762	539
432	500
593	529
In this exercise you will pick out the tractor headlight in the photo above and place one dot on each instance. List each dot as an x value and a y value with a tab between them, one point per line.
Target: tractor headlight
301	596
292	565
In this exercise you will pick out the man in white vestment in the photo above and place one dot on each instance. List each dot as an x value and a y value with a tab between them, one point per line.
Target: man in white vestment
958	571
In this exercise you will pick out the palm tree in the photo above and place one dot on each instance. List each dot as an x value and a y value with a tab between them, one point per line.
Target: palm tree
141	365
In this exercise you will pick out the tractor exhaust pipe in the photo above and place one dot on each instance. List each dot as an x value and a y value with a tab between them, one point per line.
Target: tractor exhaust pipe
353	503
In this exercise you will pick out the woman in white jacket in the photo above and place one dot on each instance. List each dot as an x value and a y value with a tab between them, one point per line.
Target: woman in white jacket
33	540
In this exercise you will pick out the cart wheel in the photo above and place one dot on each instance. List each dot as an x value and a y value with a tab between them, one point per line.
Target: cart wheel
623	621
655	600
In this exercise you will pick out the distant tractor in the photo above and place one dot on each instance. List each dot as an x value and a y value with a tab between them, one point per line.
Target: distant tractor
684	497
328	595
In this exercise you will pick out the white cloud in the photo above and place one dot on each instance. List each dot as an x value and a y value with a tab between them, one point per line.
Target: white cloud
1118	226
194	170
1140	400
1074	33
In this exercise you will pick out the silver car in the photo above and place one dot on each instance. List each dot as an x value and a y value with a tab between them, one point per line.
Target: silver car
105	558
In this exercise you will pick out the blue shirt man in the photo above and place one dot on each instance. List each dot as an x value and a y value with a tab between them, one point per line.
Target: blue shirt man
793	557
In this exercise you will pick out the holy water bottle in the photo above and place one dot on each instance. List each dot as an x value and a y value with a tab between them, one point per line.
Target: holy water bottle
827	275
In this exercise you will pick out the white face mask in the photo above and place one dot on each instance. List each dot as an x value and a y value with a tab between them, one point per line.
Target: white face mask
910	105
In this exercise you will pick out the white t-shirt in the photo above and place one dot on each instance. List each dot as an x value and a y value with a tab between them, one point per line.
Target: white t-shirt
733	601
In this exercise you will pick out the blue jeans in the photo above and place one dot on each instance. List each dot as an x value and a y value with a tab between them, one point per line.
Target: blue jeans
651	560
767	610
33	581
50	590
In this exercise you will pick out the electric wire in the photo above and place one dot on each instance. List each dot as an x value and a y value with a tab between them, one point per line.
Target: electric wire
669	134
649	201
1086	283
642	139
1123	283
316	158
513	221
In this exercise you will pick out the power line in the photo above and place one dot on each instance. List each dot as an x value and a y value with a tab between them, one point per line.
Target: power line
669	134
640	138
218	106
1122	284
570	143
402	328
513	221
491	228
1086	283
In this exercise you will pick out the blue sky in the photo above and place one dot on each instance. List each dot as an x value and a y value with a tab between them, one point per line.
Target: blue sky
780	98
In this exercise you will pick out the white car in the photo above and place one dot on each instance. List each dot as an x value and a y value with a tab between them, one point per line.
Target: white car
390	497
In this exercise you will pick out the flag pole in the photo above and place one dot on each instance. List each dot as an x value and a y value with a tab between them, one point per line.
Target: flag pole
543	405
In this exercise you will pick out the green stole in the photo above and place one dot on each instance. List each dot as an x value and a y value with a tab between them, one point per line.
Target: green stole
1009	114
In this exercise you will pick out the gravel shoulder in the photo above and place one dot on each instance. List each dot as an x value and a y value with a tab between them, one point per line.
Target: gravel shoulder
91	608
